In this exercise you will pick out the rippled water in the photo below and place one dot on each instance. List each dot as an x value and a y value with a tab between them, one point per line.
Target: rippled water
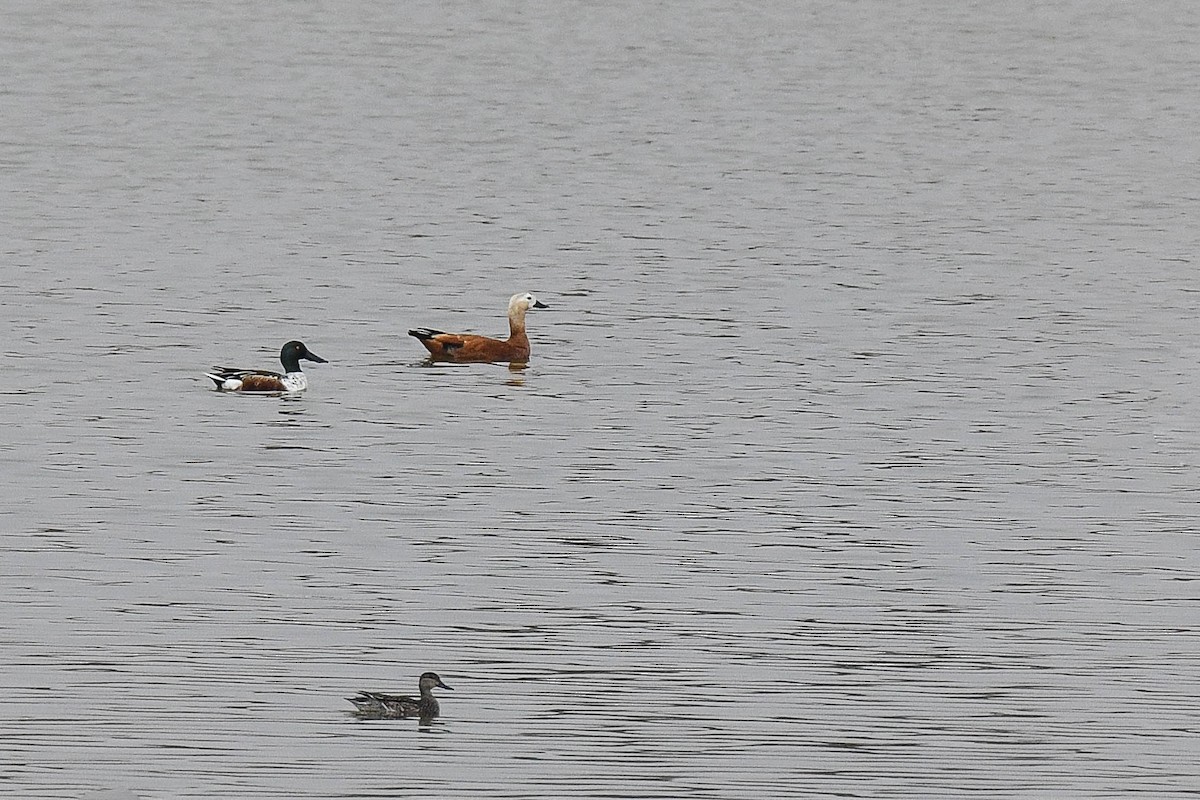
856	456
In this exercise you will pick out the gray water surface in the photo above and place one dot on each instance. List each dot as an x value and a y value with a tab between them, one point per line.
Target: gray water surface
856	457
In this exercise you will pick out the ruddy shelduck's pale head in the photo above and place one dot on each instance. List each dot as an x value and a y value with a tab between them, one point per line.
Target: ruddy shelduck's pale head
524	302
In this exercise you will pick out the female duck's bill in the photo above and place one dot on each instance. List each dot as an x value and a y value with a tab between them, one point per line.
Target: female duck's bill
468	347
231	379
377	705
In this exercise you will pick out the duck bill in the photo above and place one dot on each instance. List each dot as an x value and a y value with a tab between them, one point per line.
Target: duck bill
444	686
539	304
314	357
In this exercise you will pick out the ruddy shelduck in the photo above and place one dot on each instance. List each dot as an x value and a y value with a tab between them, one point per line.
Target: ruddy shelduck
229	379
464	347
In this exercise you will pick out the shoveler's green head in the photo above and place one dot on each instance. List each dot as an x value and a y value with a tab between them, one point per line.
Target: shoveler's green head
291	354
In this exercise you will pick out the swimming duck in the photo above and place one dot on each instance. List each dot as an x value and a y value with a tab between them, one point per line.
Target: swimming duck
376	705
252	380
464	347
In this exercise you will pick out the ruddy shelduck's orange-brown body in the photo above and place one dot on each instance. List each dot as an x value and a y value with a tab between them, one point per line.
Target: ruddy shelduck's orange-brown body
468	347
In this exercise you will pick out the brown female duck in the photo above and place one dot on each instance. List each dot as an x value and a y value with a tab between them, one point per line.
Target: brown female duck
377	705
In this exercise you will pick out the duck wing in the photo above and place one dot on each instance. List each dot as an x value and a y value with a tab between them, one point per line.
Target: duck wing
448	341
247	380
233	372
385	705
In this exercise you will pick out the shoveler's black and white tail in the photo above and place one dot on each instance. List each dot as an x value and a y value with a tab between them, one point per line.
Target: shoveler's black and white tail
222	375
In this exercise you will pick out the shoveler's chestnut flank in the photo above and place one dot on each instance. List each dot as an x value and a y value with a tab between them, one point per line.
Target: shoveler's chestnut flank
229	379
376	705
467	347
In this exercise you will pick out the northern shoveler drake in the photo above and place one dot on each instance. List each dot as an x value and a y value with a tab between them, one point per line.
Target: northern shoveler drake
376	705
468	347
253	380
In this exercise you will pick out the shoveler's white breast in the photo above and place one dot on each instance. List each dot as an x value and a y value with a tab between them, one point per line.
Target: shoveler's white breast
295	382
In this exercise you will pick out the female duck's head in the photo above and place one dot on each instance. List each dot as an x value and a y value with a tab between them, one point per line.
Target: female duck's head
429	680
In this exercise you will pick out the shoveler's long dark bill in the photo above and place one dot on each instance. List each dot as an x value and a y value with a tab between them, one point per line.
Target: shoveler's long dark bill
314	357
